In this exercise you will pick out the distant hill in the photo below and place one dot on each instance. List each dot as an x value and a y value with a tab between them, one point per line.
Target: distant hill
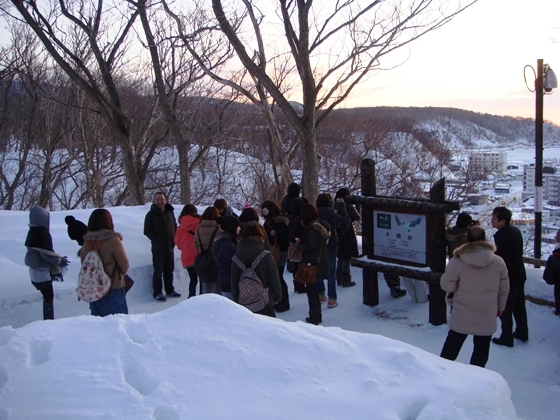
462	128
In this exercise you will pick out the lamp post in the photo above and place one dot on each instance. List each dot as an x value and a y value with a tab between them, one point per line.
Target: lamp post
545	82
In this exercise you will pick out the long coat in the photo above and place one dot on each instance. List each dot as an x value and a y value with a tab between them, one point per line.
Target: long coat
314	247
111	250
334	216
160	227
247	250
347	240
479	281
184	239
509	246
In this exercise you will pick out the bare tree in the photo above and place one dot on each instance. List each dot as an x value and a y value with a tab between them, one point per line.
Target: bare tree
90	42
332	48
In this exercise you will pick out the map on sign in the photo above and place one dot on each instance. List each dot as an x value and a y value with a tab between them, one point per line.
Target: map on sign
400	236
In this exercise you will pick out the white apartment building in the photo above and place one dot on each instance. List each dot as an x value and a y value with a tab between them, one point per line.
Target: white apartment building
551	182
494	162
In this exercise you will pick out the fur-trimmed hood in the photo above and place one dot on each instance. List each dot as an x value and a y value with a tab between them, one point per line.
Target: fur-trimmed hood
101	235
476	254
318	226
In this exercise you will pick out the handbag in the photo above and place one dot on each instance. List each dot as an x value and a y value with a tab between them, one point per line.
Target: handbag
275	251
293	253
128	283
306	273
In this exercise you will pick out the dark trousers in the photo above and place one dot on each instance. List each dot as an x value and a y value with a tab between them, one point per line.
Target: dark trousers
557	297
283	284
164	264
46	289
454	342
193	281
515	309
313	298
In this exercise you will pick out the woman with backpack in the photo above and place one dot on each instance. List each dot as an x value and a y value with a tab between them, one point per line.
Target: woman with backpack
249	248
313	246
204	238
44	264
184	239
224	250
102	238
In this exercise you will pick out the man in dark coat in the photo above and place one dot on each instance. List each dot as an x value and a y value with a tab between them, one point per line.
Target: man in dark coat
509	244
76	229
160	227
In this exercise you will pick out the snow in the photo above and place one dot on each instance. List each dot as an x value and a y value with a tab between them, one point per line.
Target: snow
208	358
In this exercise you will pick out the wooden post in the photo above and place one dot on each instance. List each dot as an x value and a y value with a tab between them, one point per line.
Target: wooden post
370	291
438	307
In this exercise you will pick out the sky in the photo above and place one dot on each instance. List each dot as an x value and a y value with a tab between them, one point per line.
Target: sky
476	62
208	358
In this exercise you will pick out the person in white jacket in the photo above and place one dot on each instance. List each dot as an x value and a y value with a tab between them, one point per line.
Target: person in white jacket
479	282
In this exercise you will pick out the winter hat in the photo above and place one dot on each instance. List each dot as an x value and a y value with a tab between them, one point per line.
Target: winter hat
342	193
464	220
69	219
229	224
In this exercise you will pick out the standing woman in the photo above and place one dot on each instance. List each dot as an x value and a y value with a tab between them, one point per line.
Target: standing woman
184	239
224	250
102	237
204	238
276	228
251	244
313	245
333	214
44	264
347	242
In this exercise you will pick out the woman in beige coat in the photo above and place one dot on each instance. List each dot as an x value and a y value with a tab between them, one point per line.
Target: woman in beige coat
108	243
479	282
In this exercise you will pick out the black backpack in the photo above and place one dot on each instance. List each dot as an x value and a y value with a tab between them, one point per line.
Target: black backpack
204	263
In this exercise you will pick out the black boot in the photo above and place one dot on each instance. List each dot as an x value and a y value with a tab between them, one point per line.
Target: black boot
48	310
346	280
397	292
315	317
339	278
283	305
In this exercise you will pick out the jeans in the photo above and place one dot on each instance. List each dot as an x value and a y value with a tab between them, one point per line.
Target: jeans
454	342
164	263
113	303
331	281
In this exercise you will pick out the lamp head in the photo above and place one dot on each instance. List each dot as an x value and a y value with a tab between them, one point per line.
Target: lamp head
550	82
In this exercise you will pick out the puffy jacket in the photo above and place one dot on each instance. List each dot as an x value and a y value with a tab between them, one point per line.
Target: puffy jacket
479	281
184	239
160	227
40	254
224	250
333	216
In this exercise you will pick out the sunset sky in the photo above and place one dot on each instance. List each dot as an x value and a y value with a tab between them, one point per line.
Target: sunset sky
476	62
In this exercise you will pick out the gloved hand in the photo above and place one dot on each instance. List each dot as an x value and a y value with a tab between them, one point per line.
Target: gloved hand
64	261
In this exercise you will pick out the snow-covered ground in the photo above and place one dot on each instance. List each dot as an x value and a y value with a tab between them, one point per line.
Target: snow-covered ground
207	358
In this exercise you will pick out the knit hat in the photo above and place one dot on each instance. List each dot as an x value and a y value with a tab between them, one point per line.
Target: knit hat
229	224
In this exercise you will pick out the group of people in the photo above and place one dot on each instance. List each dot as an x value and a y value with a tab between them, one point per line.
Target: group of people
294	231
485	281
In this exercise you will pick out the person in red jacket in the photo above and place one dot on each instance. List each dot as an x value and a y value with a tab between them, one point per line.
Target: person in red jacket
184	239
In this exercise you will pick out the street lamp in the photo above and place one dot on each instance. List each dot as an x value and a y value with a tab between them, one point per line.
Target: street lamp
545	81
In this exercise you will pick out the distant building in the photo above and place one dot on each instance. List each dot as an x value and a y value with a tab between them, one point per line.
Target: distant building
493	162
502	189
551	182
